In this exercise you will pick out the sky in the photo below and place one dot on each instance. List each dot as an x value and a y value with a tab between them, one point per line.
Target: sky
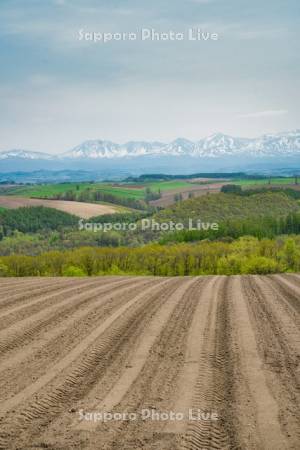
57	90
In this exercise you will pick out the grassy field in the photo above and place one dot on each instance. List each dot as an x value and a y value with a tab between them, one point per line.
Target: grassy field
46	190
168	185
138	192
122	190
266	181
134	191
50	190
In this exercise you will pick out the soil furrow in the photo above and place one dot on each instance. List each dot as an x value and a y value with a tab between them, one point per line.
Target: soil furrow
23	331
275	369
206	372
141	354
39	300
14	284
154	388
27	364
284	315
290	291
26	290
213	361
77	375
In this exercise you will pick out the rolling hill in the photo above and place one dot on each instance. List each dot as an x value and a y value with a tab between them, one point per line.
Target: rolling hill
220	207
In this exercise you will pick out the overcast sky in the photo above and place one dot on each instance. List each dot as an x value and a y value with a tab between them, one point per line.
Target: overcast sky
57	91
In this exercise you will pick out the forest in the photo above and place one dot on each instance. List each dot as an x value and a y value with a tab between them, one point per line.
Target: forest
258	232
33	219
247	255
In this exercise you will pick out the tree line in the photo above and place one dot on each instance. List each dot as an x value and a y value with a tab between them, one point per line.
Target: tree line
257	226
30	219
247	255
95	195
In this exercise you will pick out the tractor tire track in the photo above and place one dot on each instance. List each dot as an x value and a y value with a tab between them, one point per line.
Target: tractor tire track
203	383
155	386
26	329
227	346
289	290
279	367
38	300
97	346
25	365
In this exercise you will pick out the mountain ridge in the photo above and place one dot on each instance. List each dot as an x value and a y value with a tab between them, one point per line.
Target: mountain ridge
213	146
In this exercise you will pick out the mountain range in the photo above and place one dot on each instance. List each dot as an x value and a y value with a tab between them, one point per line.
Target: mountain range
214	146
217	151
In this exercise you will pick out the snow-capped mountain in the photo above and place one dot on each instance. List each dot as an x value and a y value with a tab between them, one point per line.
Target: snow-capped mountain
94	149
220	145
275	144
179	147
214	146
25	154
141	148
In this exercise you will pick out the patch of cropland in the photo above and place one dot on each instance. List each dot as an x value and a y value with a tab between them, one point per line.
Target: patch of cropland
110	196
134	195
80	209
47	190
154	363
268	181
127	190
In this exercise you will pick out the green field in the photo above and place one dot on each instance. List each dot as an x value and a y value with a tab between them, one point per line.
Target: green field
140	190
130	191
265	181
168	185
50	190
138	193
120	191
45	190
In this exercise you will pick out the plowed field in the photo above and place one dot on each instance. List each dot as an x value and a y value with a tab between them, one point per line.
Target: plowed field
80	209
195	363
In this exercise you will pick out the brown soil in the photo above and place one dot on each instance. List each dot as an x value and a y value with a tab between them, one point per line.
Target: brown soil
168	197
80	209
226	348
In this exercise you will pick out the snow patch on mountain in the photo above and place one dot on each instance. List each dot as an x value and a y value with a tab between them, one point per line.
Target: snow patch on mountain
214	146
25	154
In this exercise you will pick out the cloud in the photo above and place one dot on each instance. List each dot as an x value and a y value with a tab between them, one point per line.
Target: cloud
39	79
267	113
202	2
267	33
56	90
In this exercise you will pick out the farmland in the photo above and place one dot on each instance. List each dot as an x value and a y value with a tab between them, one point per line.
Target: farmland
267	181
158	193
225	346
193	189
54	190
120	189
80	209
